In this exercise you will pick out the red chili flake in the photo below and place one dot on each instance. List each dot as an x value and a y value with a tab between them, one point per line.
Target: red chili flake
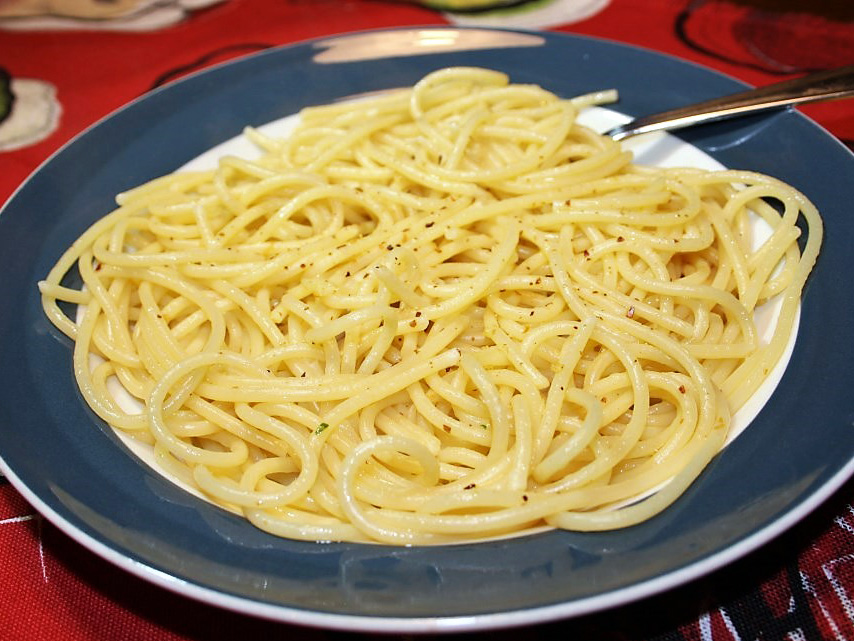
682	388
524	497
620	239
429	225
412	323
470	486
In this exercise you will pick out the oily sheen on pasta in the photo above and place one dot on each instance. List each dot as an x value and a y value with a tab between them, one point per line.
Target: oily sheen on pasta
441	314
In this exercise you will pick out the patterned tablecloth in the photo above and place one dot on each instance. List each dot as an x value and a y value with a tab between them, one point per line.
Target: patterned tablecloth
66	63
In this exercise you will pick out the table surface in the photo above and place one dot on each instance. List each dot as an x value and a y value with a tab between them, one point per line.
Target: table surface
80	60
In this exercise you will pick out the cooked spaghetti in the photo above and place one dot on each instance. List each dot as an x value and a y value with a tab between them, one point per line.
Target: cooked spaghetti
441	314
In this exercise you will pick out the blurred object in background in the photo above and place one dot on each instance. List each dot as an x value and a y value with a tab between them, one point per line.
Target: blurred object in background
774	36
466	5
108	15
29	111
525	14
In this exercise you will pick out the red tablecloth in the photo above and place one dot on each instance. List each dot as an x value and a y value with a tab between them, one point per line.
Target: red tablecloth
70	62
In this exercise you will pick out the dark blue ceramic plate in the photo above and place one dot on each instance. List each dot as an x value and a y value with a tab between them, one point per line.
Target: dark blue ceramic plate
79	475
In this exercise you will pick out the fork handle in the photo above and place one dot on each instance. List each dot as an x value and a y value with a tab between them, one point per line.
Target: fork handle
822	85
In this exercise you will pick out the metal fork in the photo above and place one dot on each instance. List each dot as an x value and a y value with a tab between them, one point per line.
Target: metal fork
813	87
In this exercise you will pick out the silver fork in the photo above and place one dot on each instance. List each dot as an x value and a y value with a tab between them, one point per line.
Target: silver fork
813	87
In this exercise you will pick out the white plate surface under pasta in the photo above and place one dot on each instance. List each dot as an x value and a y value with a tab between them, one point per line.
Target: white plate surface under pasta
441	314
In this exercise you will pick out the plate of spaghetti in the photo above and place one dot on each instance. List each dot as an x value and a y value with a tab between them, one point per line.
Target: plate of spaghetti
377	322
